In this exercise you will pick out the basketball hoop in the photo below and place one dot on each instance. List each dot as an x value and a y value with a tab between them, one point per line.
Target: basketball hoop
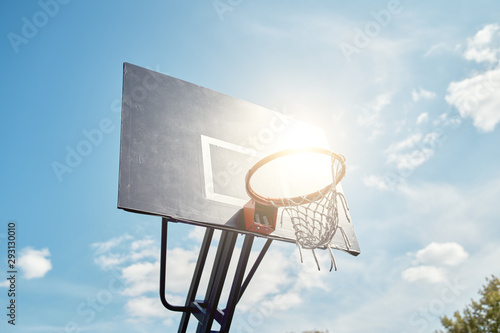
315	215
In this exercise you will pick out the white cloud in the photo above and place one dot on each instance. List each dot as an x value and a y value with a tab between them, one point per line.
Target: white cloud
125	249
435	49
432	138
138	261
409	142
422	118
145	307
422	94
141	278
5	284
429	262
371	114
408	161
141	244
406	155
446	119
423	273
449	254
308	275
281	281
272	278
109	260
196	234
477	97
287	301
104	247
151	252
376	182
485	45
34	263
413	151
381	101
180	267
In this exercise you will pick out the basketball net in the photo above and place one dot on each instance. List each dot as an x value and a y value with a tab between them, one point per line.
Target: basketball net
316	220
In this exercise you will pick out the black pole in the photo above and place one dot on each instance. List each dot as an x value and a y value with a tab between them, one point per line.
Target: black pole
163	269
234	295
217	278
195	282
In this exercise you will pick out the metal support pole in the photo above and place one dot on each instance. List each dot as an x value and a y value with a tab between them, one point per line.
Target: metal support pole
195	282
234	295
217	278
163	269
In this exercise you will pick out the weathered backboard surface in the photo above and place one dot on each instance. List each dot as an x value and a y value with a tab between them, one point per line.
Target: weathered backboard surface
185	151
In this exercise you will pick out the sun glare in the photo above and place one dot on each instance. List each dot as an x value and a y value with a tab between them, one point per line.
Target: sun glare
293	175
304	135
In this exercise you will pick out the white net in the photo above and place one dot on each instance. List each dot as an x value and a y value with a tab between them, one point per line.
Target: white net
316	220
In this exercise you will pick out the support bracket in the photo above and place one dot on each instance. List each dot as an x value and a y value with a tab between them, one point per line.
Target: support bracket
207	310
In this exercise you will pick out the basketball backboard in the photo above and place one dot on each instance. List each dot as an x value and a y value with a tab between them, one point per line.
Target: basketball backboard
185	151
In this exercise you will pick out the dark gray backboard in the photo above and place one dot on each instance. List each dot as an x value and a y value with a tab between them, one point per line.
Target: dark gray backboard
185	150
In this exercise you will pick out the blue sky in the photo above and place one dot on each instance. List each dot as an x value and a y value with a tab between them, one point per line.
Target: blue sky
408	91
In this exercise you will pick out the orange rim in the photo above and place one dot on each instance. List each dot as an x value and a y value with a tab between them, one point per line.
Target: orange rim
281	201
